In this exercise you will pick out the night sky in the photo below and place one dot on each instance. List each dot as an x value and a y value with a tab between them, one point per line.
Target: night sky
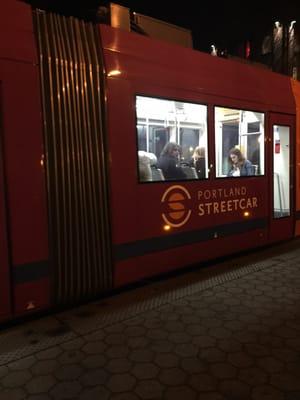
226	24
223	23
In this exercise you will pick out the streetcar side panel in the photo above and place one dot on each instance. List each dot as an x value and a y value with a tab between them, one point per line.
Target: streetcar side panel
23	158
221	215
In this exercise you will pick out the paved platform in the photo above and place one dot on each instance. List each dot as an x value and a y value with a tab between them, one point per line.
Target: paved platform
227	331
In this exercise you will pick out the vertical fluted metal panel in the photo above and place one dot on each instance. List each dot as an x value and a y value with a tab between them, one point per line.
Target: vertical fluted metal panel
74	124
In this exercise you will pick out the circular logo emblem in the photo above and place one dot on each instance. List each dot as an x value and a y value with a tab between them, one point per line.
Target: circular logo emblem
176	212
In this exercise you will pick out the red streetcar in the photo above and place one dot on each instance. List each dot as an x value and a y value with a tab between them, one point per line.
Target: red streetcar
124	157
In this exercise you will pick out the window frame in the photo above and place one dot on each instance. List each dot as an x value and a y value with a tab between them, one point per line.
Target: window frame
218	163
177	135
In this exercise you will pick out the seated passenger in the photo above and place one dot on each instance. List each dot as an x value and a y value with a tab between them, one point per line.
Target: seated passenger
239	165
198	161
168	162
145	162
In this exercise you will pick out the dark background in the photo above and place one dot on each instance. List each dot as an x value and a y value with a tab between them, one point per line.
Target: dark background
223	23
226	24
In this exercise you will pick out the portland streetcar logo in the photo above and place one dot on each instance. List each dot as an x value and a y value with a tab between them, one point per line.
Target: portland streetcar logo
176	212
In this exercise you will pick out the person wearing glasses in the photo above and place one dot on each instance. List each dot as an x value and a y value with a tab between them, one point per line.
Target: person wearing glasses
240	166
169	160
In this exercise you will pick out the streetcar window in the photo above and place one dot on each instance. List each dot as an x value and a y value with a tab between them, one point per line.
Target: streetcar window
281	171
171	140
239	138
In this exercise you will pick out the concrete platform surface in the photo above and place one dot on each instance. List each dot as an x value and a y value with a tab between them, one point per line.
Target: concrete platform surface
225	331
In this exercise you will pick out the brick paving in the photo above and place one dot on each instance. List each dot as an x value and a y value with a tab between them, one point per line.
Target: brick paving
224	332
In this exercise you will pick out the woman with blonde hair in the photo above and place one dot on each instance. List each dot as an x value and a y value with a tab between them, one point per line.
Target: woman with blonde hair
198	161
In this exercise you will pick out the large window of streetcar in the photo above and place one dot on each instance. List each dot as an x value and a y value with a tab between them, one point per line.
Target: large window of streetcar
239	138
171	139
